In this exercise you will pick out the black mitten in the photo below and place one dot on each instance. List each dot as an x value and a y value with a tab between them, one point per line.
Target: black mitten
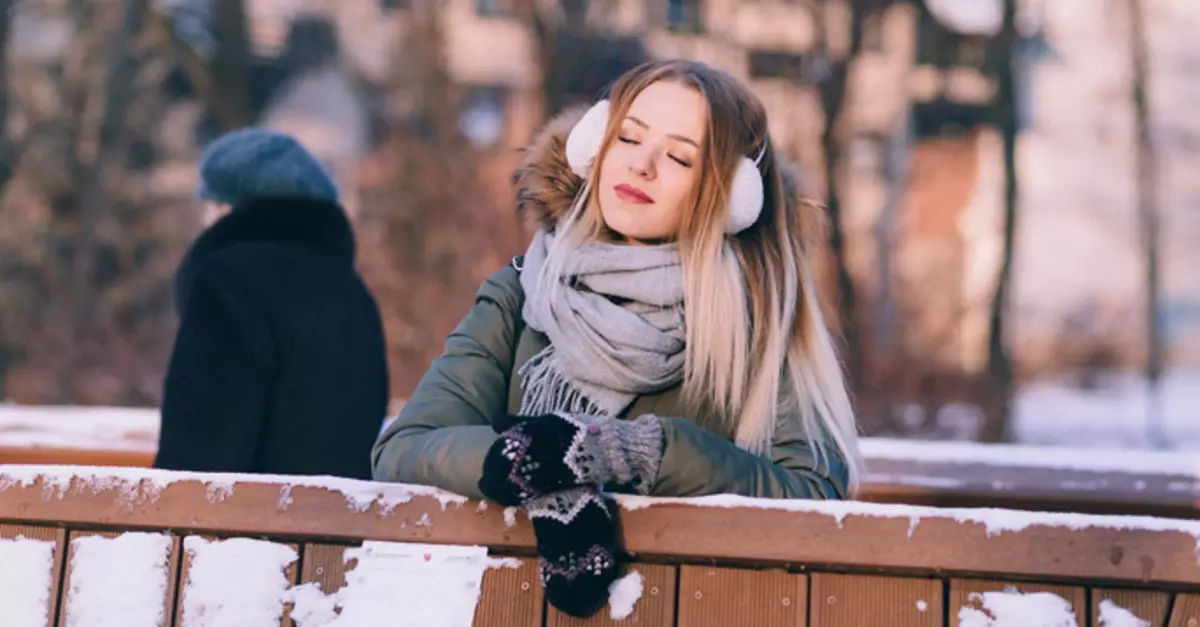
576	534
544	454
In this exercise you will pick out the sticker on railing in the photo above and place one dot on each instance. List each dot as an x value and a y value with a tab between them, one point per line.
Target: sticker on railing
400	584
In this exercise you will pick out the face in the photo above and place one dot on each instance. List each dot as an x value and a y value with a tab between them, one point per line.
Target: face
213	211
649	171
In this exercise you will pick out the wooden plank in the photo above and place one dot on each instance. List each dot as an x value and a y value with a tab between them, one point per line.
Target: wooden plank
840	600
715	597
50	534
324	564
1185	612
656	607
172	574
511	596
961	589
65	456
1149	605
1096	550
290	573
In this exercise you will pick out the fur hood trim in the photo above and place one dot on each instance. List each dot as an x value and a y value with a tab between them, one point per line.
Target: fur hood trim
546	186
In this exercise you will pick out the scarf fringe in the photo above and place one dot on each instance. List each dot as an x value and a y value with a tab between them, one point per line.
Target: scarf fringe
545	390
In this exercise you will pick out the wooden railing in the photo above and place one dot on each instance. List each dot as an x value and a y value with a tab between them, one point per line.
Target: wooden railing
941	474
711	561
916	479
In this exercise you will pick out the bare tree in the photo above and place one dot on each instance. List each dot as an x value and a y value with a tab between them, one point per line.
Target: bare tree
999	359
111	142
86	245
833	78
432	231
222	82
1148	219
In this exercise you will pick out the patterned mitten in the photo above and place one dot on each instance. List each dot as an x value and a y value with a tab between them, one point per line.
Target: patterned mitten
576	534
544	454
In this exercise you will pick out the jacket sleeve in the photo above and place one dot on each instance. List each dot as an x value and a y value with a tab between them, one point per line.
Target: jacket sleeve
219	377
444	430
698	462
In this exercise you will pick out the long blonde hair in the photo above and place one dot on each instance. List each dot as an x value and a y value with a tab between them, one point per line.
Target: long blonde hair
757	344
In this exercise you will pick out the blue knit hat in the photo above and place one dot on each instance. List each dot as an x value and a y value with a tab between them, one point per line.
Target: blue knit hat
255	163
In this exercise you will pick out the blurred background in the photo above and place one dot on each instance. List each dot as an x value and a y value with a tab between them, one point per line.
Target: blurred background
1013	186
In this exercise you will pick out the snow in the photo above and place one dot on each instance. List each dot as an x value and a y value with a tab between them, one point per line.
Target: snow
624	594
400	584
144	485
1164	463
1113	615
91	428
922	606
235	582
1056	412
995	521
119	582
1014	609
969	17
26	571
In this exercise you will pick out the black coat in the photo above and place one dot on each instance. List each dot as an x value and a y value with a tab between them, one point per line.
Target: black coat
279	365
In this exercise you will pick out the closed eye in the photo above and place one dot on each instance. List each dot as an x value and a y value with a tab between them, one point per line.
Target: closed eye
626	140
680	161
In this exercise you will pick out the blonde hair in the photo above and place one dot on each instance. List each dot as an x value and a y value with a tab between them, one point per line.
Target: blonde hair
757	344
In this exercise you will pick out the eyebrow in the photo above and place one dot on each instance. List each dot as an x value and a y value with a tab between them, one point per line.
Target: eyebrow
681	138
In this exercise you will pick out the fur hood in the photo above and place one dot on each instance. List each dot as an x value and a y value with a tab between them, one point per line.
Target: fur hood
546	186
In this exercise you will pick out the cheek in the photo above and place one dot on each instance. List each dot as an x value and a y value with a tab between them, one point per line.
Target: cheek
608	169
678	187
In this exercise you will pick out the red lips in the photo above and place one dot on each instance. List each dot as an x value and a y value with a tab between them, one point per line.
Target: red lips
629	193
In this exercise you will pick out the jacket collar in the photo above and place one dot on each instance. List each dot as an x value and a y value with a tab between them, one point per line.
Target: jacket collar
318	226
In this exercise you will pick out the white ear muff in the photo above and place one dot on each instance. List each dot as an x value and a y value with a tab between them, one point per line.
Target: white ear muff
583	144
745	195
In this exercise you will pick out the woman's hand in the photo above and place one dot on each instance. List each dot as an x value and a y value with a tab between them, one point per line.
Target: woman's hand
543	454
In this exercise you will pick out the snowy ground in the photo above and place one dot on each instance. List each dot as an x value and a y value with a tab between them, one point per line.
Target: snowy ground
1051	413
1055	412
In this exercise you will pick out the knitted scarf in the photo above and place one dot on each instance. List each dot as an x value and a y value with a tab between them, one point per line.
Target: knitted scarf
616	330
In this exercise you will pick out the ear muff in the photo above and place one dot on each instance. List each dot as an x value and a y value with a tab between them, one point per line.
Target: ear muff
745	194
583	144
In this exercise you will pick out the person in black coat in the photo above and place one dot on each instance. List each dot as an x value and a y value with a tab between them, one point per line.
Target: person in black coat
279	365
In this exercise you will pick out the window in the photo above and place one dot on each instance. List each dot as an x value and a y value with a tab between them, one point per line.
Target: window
872	32
483	116
685	15
776	64
494	8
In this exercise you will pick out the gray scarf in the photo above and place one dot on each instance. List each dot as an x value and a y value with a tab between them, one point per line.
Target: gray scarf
616	333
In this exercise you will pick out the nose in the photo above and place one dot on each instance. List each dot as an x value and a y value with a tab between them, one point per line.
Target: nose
642	162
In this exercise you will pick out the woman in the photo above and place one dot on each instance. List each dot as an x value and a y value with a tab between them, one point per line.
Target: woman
575	368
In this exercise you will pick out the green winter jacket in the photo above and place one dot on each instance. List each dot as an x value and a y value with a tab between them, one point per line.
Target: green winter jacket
444	430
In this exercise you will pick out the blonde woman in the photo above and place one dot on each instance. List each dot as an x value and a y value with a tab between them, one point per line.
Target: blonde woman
661	335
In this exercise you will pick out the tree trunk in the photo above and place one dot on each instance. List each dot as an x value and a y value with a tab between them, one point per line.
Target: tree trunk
833	100
999	365
122	69
1148	219
9	149
231	65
